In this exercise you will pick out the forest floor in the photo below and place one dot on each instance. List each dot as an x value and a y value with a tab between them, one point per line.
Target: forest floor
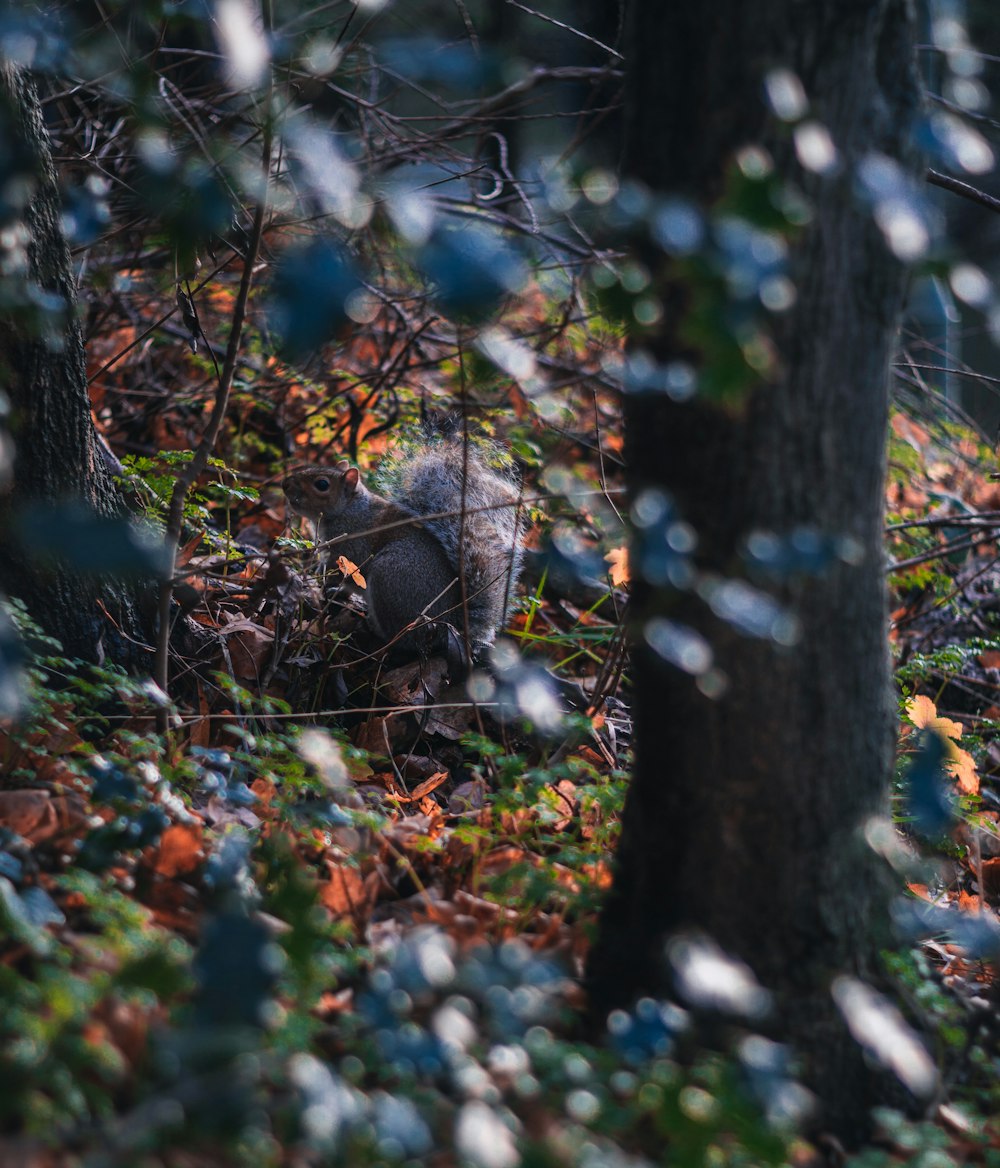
342	914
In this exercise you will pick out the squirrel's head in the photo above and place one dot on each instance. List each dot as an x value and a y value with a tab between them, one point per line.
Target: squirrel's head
317	490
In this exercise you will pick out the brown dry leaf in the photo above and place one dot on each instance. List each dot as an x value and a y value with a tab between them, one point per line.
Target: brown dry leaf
71	813
414	684
990	659
359	770
127	1027
921	891
250	646
619	569
450	723
185	553
991	877
347	893
969	902
467	797
265	790
518	822
180	850
409	833
428	785
567	804
600	873
501	860
590	755
28	813
349	570
200	731
372	735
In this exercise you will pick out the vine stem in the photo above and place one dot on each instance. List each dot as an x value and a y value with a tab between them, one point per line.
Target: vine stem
190	473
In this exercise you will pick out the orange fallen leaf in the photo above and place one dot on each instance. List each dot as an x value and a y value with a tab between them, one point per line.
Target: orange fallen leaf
619	570
428	785
180	850
38	817
347	893
922	712
962	768
347	568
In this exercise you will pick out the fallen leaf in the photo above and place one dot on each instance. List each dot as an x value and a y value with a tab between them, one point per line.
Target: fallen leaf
179	852
619	569
349	569
347	893
428	785
923	714
961	766
39	817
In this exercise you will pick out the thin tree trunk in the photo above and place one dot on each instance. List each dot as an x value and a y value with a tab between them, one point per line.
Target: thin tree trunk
745	814
57	453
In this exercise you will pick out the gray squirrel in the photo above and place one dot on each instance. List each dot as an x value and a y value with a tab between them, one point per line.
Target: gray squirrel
444	550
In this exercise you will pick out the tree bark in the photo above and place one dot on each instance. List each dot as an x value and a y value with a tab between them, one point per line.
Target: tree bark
745	813
57	457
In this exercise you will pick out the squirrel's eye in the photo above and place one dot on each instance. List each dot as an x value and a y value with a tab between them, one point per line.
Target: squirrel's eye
321	484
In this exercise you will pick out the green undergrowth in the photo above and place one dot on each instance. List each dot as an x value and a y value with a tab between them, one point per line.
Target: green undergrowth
174	984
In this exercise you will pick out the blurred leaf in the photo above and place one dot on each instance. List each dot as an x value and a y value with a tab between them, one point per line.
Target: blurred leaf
803	552
880	1028
749	610
188	198
473	269
85	211
236	967
39	908
647	1031
927	800
17	923
77	536
455	65
13	676
306	303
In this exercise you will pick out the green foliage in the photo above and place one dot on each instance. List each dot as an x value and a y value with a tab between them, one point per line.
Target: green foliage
117	1032
153	479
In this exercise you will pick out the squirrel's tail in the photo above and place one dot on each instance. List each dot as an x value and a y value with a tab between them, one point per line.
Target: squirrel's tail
479	519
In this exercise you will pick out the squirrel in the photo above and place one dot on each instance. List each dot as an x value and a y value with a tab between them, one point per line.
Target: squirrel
444	550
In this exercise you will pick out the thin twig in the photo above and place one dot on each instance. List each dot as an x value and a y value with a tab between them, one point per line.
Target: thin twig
190	473
957	187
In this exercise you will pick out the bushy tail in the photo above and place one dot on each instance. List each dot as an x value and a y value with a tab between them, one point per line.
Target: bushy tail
479	519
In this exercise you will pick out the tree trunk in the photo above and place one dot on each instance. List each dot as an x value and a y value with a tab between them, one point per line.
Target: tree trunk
744	816
57	456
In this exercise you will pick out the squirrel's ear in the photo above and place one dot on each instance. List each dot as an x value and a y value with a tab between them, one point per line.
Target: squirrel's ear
343	464
351	476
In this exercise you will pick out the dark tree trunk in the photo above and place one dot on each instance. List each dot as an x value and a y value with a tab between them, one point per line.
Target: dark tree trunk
57	456
744	817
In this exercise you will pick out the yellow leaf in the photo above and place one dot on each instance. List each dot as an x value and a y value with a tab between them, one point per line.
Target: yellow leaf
920	710
923	714
618	559
963	770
